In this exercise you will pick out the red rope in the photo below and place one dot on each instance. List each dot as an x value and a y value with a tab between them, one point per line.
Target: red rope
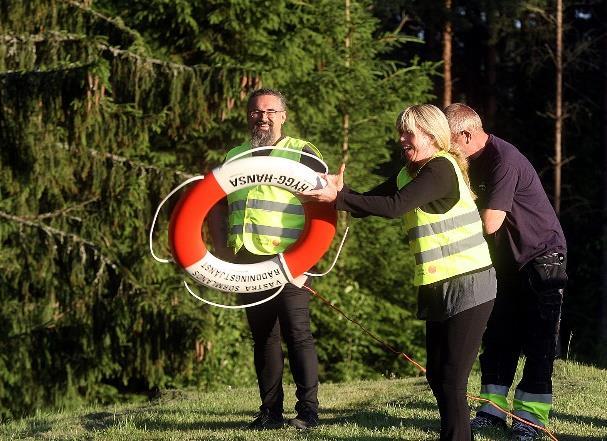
419	366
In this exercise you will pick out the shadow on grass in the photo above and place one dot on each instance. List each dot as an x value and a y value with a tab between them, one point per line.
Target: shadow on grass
580	419
357	438
34	429
98	420
151	424
375	419
581	438
159	422
162	420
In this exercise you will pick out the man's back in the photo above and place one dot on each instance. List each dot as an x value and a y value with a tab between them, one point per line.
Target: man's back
505	180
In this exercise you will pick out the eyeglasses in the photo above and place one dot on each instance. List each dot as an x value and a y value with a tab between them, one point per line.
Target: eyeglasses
259	113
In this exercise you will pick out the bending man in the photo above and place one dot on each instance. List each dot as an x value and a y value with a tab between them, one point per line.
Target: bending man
529	253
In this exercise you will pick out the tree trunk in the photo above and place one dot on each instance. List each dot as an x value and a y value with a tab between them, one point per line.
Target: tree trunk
603	330
447	55
345	148
490	101
558	117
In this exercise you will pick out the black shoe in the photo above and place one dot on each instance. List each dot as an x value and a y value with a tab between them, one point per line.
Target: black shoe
484	420
305	421
265	420
523	432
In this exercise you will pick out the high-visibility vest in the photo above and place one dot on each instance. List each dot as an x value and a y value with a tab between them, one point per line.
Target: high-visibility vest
449	244
266	219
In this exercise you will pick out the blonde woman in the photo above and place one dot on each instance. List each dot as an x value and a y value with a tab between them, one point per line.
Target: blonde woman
453	270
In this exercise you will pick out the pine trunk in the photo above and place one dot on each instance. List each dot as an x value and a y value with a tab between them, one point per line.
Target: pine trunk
558	121
447	55
603	330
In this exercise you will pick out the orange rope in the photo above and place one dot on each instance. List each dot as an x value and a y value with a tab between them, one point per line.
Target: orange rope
419	366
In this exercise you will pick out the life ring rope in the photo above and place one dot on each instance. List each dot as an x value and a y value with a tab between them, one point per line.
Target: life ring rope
282	149
221	305
341	244
175	190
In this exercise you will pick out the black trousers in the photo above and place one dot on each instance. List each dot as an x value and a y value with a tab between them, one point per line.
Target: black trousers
288	315
452	346
526	319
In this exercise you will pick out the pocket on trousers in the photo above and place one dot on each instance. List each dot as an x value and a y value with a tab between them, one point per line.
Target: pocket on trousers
547	272
547	278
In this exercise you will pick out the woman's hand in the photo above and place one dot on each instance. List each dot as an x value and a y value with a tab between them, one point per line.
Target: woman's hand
338	179
328	193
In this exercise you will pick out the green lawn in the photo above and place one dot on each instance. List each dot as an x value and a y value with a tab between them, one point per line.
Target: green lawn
366	410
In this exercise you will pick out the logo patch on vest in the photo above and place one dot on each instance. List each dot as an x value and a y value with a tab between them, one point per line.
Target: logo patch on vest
432	269
276	242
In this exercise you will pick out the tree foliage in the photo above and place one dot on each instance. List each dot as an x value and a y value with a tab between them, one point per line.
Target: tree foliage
104	108
106	105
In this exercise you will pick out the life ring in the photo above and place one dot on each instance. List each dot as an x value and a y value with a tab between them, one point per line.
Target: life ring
185	228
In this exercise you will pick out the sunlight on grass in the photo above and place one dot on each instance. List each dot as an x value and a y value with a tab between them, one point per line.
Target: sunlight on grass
401	409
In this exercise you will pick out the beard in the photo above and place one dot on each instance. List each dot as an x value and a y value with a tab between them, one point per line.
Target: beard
259	137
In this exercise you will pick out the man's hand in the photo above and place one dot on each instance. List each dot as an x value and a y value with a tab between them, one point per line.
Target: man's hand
217	223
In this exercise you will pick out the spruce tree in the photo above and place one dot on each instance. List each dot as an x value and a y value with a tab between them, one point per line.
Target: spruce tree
106	106
94	132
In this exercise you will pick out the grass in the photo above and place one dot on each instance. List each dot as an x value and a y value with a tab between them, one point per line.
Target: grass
367	410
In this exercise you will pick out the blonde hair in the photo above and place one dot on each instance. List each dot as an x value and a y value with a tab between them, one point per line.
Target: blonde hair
432	121
463	118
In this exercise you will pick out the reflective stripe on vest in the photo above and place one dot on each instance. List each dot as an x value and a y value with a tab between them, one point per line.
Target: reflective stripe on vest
267	205
291	233
532	407
446	245
266	219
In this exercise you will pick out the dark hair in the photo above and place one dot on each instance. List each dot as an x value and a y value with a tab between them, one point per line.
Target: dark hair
260	92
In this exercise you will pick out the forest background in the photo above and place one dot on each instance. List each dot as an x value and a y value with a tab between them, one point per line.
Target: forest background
106	105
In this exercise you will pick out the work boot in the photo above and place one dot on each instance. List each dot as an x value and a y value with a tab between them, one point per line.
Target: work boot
484	420
523	432
266	420
305	420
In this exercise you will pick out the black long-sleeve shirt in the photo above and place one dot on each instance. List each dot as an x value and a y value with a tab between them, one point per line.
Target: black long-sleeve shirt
434	189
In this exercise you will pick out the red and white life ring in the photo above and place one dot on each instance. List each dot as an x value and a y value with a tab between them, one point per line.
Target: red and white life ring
185	229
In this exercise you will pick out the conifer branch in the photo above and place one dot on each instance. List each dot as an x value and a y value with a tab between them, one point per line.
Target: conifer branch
67	37
120	26
10	74
149	60
135	164
403	20
37	38
52	231
63	235
62	211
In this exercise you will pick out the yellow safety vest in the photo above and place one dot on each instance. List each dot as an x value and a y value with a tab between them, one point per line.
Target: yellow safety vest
449	244
266	219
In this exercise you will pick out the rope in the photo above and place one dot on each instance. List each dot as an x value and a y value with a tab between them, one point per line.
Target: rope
220	305
419	366
151	235
282	149
343	239
366	331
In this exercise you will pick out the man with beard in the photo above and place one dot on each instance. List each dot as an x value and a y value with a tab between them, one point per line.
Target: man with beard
264	220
